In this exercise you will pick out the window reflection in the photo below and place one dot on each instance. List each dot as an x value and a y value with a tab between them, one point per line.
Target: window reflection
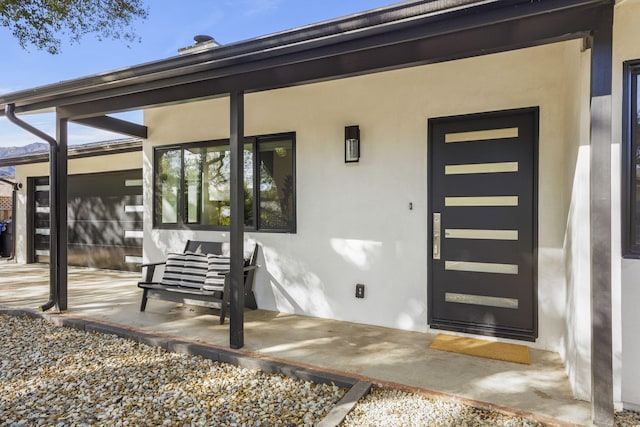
276	184
216	196
168	184
193	184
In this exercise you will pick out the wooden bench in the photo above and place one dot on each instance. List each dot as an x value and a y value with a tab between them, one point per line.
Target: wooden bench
199	276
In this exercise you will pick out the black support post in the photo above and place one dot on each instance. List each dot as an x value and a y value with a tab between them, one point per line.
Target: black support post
236	312
600	224
61	203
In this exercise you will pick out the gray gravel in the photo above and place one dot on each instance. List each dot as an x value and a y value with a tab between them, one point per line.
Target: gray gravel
394	408
54	376
627	419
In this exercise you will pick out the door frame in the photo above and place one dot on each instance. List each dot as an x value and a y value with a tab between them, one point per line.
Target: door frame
534	112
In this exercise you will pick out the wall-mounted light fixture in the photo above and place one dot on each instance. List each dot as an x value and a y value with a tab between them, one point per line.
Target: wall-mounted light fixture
351	144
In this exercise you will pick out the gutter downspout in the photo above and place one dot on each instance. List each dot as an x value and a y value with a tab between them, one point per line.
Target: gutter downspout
53	208
16	186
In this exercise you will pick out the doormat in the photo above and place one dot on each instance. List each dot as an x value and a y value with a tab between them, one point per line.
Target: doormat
481	348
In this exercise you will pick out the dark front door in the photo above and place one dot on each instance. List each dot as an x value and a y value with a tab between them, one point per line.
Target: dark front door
483	223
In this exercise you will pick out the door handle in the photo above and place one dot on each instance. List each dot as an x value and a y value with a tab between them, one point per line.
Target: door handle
436	235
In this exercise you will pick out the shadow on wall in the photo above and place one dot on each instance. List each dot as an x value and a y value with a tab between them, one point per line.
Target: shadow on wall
309	283
289	285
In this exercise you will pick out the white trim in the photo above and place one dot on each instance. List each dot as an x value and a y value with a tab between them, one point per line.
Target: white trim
482	201
481	135
481	300
462	233
473	168
481	267
134	208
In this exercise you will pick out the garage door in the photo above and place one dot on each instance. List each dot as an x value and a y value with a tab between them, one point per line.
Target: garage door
105	220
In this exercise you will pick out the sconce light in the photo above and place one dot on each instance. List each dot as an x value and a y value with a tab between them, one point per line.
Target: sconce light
351	144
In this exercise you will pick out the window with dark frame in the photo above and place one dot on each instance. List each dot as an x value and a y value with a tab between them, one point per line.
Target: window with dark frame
631	162
191	184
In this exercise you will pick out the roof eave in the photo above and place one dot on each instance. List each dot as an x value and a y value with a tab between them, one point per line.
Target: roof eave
79	151
310	38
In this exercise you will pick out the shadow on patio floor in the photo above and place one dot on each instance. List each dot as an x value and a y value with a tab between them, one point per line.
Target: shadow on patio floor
384	354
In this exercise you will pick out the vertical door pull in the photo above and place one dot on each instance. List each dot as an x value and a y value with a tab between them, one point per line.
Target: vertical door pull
436	235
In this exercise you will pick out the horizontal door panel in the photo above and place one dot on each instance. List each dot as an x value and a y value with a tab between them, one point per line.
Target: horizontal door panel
481	184
491	251
108	257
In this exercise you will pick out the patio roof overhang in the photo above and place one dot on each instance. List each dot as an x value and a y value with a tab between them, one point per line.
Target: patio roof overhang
407	34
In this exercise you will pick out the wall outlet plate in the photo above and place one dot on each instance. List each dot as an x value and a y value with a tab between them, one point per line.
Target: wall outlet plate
359	290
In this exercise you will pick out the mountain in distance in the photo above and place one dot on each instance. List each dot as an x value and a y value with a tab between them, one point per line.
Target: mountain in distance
7	152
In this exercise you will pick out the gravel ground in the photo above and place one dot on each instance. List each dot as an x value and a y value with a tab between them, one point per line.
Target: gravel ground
401	409
627	419
393	408
54	376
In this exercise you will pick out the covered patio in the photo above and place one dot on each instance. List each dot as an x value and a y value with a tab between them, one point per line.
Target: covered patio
383	355
395	38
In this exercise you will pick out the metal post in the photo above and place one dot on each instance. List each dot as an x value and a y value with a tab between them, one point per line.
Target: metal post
61	196
600	224
236	313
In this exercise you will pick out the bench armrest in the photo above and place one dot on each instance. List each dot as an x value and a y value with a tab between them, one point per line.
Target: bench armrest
151	269
247	268
149	264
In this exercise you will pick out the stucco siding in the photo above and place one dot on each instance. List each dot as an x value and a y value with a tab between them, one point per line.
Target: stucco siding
354	222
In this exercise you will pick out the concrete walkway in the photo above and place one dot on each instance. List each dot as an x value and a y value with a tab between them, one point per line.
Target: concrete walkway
387	355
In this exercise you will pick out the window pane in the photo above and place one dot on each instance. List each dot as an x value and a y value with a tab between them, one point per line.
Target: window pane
631	160
276	184
215	175
216	172
248	186
168	185
636	162
192	184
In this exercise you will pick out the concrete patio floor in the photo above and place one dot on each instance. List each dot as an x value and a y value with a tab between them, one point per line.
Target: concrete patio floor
388	355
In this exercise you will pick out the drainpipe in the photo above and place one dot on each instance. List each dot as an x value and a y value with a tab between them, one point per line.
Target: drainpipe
53	208
16	186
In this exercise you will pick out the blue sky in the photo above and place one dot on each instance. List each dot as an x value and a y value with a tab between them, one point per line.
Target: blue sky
170	26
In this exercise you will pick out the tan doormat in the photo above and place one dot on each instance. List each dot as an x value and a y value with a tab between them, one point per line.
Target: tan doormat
481	348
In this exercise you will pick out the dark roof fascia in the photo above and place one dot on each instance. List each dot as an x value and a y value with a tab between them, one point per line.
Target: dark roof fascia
402	48
221	61
79	151
380	16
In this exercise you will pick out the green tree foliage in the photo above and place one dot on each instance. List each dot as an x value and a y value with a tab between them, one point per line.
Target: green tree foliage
46	23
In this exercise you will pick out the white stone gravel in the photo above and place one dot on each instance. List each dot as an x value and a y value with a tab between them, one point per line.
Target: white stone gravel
627	419
55	376
394	408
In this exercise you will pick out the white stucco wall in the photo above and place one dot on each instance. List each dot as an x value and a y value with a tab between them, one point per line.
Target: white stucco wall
577	245
354	223
626	271
107	163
